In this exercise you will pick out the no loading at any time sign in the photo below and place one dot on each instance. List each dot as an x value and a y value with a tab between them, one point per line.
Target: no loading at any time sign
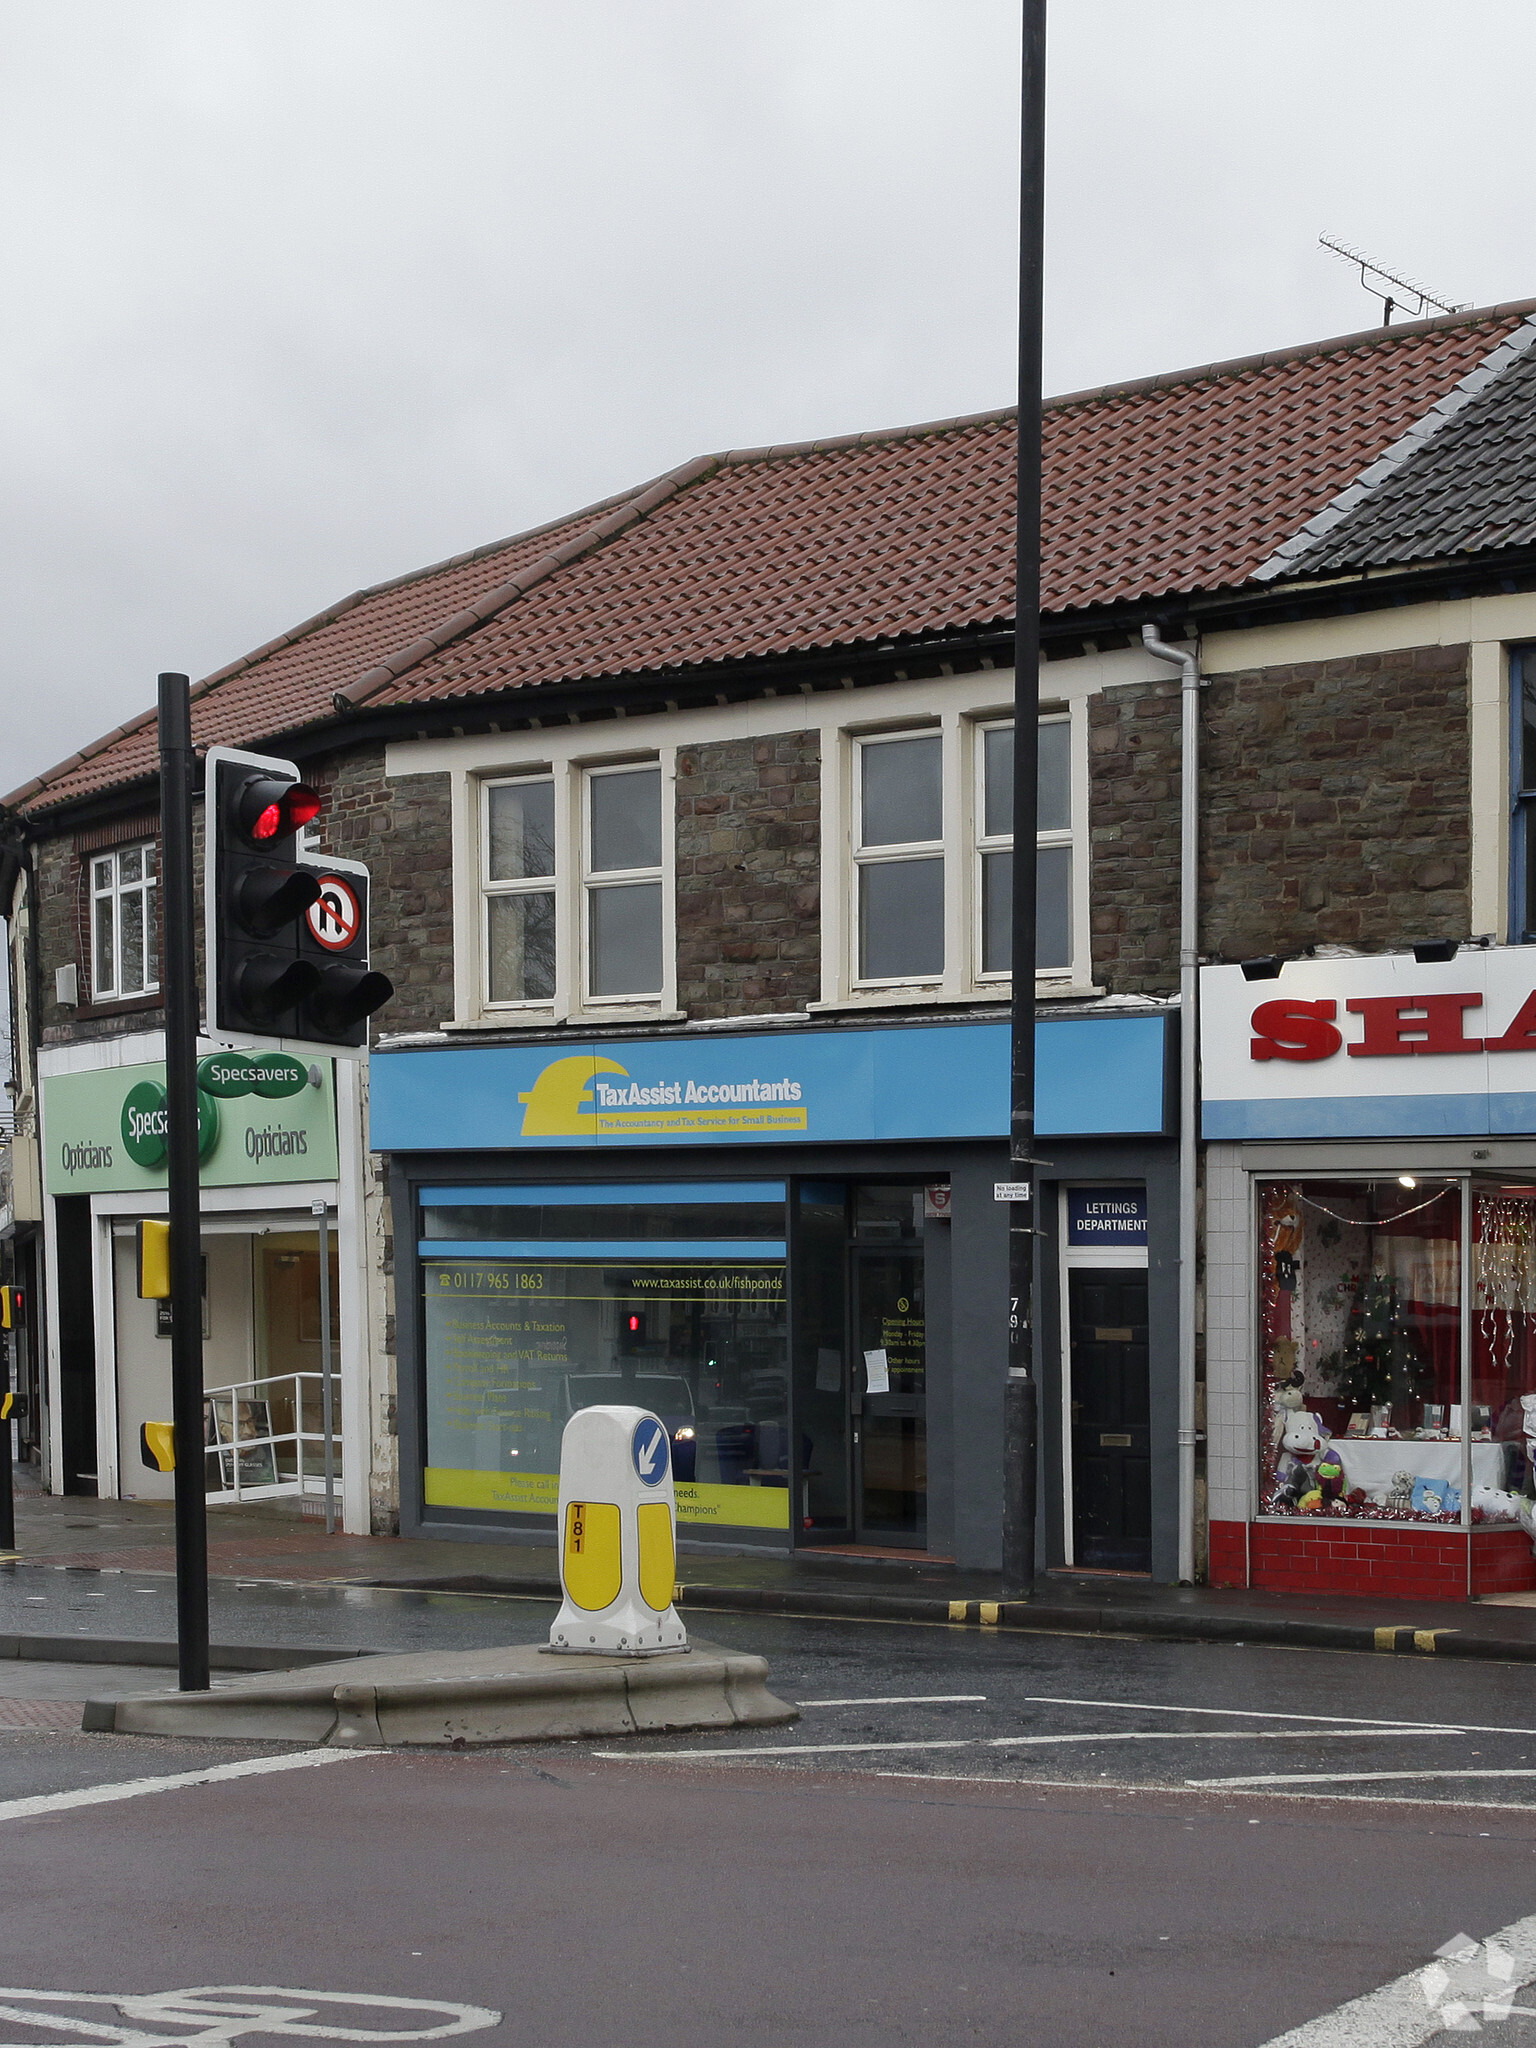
336	915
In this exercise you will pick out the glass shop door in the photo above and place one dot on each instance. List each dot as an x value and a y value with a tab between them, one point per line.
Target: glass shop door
889	1395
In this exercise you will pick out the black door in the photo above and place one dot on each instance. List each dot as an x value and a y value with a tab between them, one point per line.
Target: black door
1111	1432
890	1428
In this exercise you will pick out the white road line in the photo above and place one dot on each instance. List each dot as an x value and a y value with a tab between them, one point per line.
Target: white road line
136	1788
732	1756
1383	1721
1353	1777
1404	2013
1216	1735
908	1699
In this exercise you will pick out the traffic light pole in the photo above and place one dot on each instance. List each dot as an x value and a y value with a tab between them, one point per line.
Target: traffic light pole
1021	1394
176	769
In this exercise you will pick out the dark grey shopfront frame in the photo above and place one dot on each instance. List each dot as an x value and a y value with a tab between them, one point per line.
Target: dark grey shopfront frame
966	1259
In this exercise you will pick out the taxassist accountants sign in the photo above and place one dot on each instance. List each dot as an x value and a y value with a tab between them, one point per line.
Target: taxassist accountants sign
1383	1046
1097	1076
258	1122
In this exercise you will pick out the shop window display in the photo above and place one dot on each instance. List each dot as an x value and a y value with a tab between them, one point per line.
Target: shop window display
1380	1403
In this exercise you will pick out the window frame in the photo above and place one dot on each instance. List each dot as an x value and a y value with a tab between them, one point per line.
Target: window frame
892	854
522	885
594	881
998	842
146	888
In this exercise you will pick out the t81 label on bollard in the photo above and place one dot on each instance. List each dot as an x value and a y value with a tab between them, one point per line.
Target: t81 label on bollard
618	1536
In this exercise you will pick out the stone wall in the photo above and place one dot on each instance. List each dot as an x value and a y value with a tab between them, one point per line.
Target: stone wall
1133	833
1336	804
748	875
401	829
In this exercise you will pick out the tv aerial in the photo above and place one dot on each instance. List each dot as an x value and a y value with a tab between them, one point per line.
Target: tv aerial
1394	283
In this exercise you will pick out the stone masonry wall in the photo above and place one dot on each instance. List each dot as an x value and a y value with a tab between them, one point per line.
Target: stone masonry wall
748	875
1336	804
1133	833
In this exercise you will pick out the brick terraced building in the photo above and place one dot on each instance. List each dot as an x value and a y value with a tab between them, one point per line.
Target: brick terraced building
688	823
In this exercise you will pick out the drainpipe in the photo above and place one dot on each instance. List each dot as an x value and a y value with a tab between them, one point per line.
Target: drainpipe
1189	991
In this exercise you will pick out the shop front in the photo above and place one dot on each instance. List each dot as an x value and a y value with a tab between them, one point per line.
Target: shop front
786	1244
1371	1274
269	1165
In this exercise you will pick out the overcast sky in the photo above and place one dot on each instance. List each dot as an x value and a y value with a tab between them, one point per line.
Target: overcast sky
300	294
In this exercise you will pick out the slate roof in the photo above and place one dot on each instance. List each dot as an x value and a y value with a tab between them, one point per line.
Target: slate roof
1172	485
1461	481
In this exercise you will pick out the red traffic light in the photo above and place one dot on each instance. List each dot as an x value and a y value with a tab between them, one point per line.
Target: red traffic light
267	809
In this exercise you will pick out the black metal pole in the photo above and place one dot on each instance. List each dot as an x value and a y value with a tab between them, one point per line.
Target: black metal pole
176	766
7	1475
1021	1396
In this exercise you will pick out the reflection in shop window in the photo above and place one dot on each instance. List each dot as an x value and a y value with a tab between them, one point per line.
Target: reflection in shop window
515	1345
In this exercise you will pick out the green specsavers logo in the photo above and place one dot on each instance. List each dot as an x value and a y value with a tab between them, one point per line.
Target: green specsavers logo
144	1124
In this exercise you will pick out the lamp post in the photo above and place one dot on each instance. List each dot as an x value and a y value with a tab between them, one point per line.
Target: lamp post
1021	1396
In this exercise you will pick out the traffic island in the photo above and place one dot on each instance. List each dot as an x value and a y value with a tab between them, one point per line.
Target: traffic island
464	1699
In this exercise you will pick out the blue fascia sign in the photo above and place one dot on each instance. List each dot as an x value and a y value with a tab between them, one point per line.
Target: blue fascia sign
1096	1076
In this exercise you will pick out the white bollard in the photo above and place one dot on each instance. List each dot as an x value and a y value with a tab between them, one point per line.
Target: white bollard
618	1536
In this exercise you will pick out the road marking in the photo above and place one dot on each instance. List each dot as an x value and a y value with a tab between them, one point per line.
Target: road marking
1019	1742
221	2014
731	1756
1356	1777
1203	1735
1383	1721
910	1699
136	1788
1429	2001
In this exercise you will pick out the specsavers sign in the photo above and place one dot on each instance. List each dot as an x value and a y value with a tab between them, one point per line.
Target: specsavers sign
1381	1046
260	1120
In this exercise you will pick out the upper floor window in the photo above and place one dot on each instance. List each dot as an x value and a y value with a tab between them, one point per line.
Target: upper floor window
899	858
518	838
1054	949
1522	786
621	859
124	938
571	888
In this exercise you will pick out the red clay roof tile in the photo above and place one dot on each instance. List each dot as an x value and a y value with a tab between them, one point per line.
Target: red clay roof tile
1173	485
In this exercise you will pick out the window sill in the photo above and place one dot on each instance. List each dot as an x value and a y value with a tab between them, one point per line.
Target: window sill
553	1020
942	998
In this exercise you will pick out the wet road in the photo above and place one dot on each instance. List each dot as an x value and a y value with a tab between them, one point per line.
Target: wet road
968	1835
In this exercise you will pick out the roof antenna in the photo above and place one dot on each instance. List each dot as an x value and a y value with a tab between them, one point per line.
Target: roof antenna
1389	304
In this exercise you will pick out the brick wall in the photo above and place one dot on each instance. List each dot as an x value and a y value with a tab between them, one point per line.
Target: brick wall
748	875
1335	804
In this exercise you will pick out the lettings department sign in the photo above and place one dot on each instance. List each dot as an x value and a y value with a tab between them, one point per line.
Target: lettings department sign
1373	1047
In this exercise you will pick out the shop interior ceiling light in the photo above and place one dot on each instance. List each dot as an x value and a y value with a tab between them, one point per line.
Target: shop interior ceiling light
1265	968
1427	950
1406	1180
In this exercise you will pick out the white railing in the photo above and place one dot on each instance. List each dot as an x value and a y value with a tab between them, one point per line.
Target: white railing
265	1438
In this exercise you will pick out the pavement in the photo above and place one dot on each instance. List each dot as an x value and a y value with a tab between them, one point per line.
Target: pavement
273	1545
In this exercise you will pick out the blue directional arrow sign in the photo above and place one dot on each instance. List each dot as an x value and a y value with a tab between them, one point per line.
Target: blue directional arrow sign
649	1450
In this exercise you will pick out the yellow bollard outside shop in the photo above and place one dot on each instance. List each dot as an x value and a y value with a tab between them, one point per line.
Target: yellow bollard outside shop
618	1536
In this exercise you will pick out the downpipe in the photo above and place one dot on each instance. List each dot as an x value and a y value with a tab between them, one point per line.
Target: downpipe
1189	999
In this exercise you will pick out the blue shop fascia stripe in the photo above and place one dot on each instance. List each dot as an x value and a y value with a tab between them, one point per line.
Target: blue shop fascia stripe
1372	1116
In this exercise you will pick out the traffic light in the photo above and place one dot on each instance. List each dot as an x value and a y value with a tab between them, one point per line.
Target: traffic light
154	1259
157	1446
12	1307
287	931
